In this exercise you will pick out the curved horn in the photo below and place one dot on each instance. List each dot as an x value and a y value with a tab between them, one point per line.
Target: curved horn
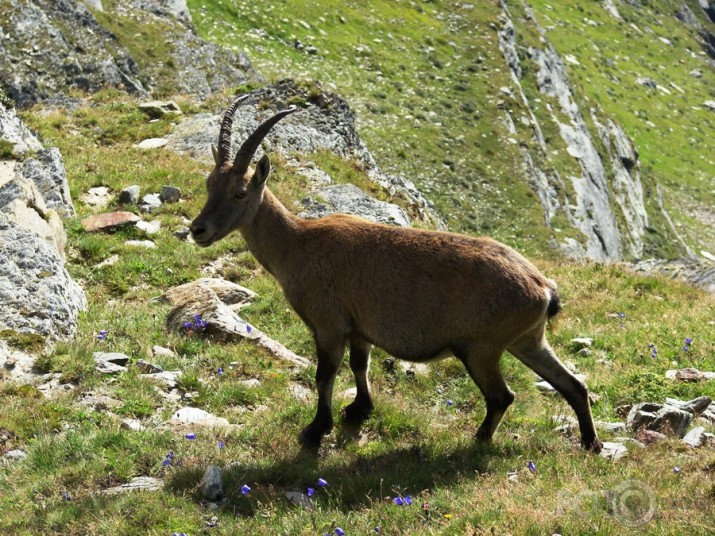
224	136
248	148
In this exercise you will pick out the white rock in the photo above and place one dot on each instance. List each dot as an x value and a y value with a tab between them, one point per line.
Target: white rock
133	424
300	392
148	244
15	455
149	227
198	416
151	143
299	498
139	483
613	451
251	383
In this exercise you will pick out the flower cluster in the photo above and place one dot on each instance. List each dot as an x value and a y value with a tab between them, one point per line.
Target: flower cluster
688	342
102	335
196	324
653	350
403	501
169	460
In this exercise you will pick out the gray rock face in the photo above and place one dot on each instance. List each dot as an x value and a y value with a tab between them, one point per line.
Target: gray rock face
36	292
696	270
674	417
327	123
130	194
62	47
349	199
14	131
47	171
212	484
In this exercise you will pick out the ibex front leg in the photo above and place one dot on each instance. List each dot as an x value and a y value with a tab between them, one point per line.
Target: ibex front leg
360	408
330	356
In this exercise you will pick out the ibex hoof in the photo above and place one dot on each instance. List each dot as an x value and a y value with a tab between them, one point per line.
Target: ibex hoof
356	413
310	437
594	445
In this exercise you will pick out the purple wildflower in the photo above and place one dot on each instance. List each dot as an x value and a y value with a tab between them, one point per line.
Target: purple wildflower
248	328
190	436
102	335
398	501
653	350
66	496
245	489
311	492
688	341
676	470
339	531
322	483
408	500
219	371
221	444
450	402
532	466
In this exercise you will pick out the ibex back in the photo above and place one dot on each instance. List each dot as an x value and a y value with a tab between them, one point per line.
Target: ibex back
419	295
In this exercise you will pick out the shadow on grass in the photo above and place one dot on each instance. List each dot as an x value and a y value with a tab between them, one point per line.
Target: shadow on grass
354	481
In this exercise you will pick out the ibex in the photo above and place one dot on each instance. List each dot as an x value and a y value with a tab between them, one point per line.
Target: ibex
419	295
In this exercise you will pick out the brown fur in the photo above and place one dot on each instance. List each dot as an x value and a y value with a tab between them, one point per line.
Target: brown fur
419	295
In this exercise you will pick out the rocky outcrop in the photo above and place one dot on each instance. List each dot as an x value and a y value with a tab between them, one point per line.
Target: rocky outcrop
52	47
326	123
37	294
608	186
696	270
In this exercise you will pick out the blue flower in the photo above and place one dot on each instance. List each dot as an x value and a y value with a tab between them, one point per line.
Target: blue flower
219	371
688	341
166	462
102	335
653	350
621	315
532	466
398	501
221	444
450	402
311	492
190	436
66	496
248	328
376	529
187	325
339	531
676	470
322	483
245	489
408	500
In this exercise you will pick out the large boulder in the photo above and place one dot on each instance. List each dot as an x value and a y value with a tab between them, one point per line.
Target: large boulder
37	294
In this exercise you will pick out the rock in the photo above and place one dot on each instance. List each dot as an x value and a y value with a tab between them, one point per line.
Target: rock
327	125
149	227
697	437
130	194
613	451
108	221
183	234
697	73
659	418
151	143
148	244
14	132
109	261
150	202
647	82
226	291
689	375
710	105
197	416
138	483
580	343
14	455
212	484
649	437
299	498
170	194
110	362
169	378
695	270
161	351
251	383
695	406
99	402
349	199
23	205
98	196
47	172
613	427
37	294
133	425
222	323
159	109
148	368
300	392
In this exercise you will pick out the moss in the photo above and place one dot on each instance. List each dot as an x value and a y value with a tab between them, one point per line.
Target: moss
26	342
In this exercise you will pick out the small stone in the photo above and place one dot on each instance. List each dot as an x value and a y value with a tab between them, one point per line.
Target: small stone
130	194
613	451
161	351
110	362
251	383
139	483
133	425
649	437
613	427
581	342
168	377
151	143
710	105
15	455
689	374
697	73
300	392
148	244
299	498
148	368
150	202
98	196
149	227
170	194
109	220
158	109
182	234
109	261
697	437
198	416
212	484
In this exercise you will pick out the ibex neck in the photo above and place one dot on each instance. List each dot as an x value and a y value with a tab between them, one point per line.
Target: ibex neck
272	234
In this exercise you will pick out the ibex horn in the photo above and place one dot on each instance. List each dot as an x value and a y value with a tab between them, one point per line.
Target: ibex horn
223	153
247	150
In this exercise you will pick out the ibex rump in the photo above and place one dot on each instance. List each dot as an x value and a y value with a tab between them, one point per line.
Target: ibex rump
419	295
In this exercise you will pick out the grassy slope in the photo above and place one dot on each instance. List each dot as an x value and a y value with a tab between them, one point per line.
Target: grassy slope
415	444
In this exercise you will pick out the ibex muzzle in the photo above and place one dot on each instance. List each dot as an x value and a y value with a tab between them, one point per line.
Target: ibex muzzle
419	295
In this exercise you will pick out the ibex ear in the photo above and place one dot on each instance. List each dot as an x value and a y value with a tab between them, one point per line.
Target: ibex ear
263	169
214	150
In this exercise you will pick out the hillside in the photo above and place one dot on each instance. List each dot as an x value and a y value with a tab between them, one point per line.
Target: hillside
577	132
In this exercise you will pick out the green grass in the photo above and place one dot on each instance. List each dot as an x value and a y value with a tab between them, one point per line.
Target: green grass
415	444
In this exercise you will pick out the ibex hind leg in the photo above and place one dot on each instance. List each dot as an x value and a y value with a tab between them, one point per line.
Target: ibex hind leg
536	354
330	356
482	363
362	406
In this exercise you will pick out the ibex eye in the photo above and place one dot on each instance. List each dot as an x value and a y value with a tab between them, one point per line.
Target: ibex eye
240	195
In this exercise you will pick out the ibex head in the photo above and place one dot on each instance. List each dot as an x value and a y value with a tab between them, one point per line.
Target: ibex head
235	190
